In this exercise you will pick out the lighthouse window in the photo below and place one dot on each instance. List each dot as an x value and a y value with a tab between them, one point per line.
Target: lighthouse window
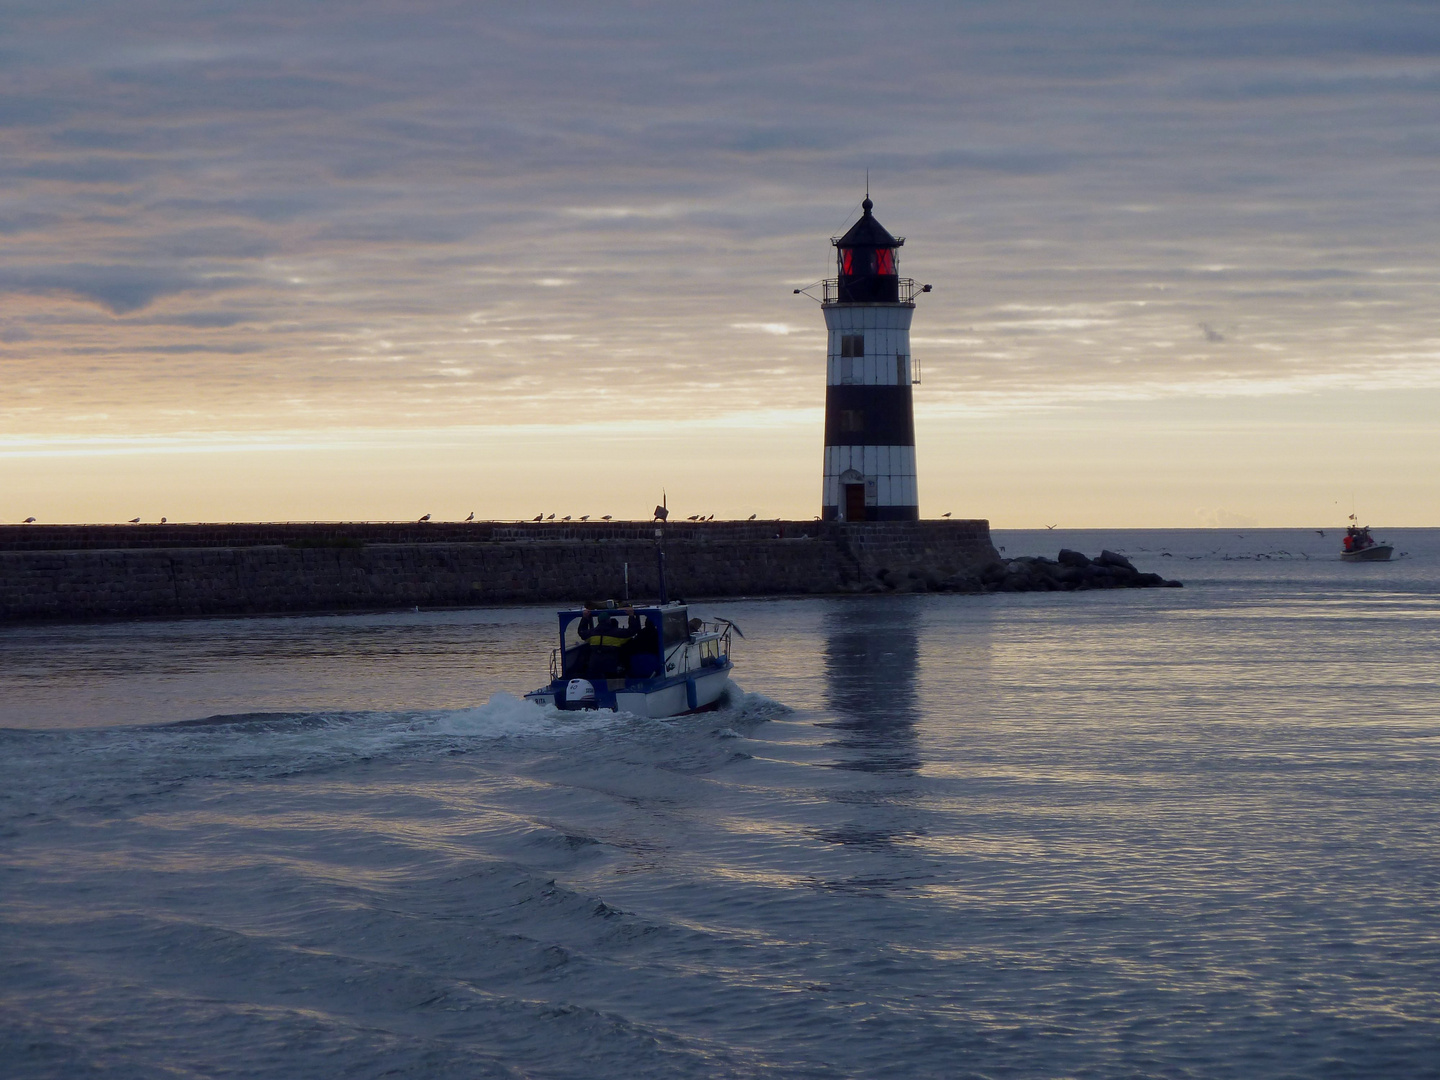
847	260
885	261
852	345
852	420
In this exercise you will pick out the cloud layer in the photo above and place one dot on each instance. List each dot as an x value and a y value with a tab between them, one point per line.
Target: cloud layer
264	216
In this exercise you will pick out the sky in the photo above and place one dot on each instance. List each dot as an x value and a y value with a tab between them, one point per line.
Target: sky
316	261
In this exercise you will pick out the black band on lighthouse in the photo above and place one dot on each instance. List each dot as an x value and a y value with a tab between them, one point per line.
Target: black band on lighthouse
869	416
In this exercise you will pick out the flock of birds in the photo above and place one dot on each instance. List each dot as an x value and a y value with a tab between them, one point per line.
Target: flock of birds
606	517
132	521
537	517
541	517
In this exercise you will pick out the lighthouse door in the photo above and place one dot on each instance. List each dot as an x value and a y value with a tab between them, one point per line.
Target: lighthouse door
854	502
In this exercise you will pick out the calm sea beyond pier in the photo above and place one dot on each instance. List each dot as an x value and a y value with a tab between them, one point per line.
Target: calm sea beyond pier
1186	833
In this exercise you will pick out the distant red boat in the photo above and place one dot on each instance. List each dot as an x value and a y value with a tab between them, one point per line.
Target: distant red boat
1360	546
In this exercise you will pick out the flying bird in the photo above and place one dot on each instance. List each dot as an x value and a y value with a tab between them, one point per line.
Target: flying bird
425	518
1049	526
471	517
134	521
1320	531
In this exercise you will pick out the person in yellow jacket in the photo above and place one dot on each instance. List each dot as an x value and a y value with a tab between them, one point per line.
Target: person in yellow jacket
605	638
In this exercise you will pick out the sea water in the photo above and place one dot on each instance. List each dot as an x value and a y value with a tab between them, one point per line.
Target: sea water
1173	833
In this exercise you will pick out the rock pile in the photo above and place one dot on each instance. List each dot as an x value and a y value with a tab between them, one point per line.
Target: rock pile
1071	571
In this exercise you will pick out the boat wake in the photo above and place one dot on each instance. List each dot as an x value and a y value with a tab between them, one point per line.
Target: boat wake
105	769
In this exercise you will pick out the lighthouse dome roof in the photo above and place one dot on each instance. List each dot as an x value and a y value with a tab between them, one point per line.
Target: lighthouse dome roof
868	232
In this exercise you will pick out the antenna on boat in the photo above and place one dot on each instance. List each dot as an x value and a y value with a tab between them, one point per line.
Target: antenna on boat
662	514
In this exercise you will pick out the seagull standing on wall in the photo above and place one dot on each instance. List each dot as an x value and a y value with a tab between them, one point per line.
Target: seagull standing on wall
471	517
550	518
30	521
134	521
425	518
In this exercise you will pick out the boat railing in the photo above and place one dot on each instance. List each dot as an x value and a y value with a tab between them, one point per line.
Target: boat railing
722	630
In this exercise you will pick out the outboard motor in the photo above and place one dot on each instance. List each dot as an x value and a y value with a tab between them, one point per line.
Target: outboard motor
580	692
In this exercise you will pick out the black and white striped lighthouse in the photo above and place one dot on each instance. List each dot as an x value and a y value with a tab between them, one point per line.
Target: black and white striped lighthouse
869	419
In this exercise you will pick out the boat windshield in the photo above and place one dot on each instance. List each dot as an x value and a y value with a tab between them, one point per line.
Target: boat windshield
611	643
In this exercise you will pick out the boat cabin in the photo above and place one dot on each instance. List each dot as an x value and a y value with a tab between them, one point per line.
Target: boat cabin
633	643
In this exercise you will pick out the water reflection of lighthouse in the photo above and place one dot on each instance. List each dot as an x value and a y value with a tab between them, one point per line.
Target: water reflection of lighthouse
869	419
872	655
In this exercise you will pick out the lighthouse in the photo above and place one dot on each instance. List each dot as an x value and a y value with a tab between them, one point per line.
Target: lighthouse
869	418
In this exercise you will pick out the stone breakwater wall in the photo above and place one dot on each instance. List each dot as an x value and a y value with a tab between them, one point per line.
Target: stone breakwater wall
126	571
1072	571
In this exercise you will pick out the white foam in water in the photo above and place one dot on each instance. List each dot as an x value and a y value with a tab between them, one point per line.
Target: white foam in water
742	705
508	715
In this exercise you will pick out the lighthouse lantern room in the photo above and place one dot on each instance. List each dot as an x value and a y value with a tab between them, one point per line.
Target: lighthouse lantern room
869	418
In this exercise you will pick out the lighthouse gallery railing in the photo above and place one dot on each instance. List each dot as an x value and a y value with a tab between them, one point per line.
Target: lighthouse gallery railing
909	289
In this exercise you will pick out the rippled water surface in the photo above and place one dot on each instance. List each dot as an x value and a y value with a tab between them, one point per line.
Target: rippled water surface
1178	833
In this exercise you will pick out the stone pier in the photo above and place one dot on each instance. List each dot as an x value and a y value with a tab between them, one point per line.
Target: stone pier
128	571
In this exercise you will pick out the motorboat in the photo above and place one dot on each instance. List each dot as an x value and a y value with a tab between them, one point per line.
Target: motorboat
1360	546
652	661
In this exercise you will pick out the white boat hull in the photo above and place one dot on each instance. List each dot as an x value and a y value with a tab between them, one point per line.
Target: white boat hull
695	694
699	692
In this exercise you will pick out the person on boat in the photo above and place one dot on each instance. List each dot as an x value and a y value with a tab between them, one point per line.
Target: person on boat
577	659
606	642
640	656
